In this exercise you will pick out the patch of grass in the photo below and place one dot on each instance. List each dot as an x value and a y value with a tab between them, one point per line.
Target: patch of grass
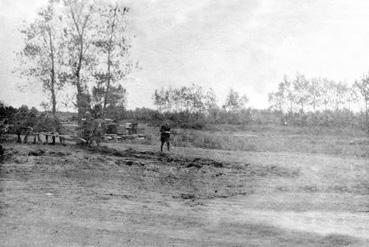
270	139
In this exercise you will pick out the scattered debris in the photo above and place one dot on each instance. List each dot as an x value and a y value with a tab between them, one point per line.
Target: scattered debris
59	154
38	152
187	196
196	165
129	162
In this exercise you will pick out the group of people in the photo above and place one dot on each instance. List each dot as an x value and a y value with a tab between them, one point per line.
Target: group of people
46	129
44	125
92	130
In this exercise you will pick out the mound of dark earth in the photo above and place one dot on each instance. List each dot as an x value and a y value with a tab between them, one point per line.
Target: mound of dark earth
187	178
198	163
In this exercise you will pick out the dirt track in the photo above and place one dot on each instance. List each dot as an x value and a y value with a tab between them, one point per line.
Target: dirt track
67	196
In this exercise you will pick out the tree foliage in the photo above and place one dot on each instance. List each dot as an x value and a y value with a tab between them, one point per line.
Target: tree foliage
311	95
40	60
194	99
112	47
234	102
82	43
363	88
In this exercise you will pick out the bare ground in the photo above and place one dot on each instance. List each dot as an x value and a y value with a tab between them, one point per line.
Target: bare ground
131	195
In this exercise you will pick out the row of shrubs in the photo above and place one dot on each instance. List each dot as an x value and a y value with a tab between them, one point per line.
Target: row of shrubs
188	120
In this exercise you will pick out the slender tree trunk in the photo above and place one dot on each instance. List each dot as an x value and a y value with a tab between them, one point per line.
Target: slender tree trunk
366	115
52	74
80	90
53	99
80	97
107	90
80	28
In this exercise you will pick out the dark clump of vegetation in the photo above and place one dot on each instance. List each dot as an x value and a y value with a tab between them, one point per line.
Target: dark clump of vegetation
17	120
7	112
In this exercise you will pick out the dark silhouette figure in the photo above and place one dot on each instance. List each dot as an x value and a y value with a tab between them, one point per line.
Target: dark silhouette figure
165	136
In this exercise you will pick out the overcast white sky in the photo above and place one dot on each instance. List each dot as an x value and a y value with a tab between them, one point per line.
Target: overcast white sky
247	44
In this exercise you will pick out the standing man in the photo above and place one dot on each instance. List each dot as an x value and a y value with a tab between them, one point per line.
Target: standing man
165	136
18	129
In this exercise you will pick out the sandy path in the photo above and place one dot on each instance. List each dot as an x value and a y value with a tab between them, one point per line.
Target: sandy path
320	222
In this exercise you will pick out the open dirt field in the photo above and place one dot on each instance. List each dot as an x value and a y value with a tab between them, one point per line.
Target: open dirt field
131	195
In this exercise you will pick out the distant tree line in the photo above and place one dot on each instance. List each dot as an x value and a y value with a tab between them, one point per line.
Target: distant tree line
196	99
301	94
193	99
299	101
320	101
195	106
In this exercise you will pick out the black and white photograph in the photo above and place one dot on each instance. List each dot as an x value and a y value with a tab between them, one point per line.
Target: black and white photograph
175	123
